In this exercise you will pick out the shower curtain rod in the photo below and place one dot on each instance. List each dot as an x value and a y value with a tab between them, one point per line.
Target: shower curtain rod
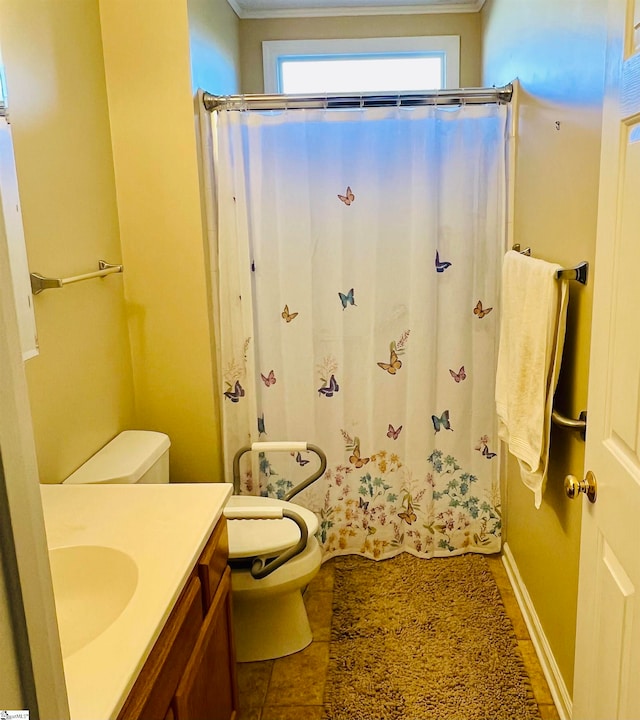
461	96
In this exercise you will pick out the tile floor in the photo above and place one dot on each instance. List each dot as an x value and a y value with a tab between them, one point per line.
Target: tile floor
292	688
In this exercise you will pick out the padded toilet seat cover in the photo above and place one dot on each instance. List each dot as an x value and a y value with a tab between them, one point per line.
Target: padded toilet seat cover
251	538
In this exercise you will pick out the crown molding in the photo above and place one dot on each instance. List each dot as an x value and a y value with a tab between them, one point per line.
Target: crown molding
472	6
235	7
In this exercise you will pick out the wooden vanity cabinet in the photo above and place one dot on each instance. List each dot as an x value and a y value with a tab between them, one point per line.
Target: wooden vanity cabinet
197	697
190	673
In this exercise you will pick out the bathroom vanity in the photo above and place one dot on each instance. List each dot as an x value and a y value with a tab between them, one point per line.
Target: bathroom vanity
142	591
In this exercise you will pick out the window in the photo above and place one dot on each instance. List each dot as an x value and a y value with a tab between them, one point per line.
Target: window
366	65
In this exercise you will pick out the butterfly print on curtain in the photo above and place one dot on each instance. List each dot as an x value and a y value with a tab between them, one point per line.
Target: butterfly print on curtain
269	379
348	197
236	393
460	375
287	315
347	299
441	266
483	447
479	311
326	370
441	422
395	349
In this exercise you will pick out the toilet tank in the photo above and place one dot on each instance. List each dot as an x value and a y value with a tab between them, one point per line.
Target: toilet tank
133	456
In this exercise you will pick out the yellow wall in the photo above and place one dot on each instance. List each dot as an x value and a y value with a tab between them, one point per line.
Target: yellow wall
80	385
148	75
253	32
214	30
556	49
100	96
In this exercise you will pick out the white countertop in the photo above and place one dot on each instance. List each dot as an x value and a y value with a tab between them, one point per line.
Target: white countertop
164	529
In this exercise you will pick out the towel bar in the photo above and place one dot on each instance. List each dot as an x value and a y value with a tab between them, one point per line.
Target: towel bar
40	283
570	423
579	273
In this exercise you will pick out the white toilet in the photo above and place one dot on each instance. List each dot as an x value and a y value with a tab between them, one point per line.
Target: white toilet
270	619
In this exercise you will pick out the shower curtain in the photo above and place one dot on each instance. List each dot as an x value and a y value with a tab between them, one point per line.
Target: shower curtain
355	260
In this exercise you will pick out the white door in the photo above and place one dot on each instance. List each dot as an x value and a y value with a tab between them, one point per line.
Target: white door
607	669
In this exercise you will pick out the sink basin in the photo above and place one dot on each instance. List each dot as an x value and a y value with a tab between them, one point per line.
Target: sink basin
92	585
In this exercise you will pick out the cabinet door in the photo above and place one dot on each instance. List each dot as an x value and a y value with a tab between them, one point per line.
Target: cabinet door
208	688
153	691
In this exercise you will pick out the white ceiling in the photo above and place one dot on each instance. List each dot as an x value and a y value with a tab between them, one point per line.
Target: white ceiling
316	8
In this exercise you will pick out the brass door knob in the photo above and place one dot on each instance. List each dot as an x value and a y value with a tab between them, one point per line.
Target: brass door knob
573	487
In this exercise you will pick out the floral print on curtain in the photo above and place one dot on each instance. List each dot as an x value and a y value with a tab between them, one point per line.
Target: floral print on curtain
359	253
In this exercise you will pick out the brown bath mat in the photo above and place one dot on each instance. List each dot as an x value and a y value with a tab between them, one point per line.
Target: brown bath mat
416	639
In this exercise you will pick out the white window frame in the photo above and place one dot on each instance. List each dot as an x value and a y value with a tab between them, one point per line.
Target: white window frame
274	50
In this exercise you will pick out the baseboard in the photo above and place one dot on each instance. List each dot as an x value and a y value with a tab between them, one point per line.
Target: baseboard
547	660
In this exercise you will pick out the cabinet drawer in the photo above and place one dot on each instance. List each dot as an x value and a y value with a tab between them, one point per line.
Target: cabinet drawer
152	692
213	562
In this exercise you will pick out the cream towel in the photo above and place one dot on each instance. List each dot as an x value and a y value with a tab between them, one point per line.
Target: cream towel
532	329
